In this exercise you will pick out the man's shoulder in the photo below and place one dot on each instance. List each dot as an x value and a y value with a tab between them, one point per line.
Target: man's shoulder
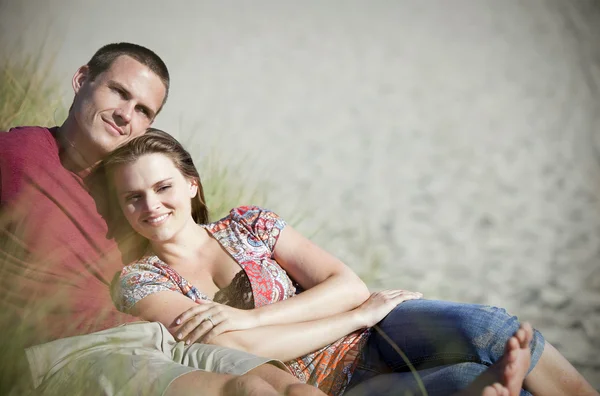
29	134
25	149
27	140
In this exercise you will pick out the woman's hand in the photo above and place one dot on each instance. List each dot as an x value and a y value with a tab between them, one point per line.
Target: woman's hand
208	319
381	303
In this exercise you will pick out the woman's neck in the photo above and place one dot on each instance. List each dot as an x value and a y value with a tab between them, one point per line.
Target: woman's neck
183	246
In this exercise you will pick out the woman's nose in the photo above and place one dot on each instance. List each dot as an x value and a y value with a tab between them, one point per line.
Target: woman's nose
151	202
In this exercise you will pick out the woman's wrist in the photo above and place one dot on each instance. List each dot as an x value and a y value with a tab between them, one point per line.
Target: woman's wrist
257	317
358	319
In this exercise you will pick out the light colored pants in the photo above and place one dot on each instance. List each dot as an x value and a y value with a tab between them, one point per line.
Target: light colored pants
140	358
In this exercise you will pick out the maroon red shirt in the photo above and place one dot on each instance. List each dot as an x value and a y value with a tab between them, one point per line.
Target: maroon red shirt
56	262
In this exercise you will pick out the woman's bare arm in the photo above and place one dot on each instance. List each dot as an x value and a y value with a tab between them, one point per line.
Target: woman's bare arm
330	286
284	341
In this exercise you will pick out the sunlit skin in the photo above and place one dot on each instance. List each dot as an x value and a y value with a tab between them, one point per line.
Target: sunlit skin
156	198
118	105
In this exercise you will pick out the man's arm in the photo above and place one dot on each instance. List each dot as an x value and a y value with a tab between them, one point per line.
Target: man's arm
1	200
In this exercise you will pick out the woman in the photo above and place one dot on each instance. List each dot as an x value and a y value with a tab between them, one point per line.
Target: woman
223	278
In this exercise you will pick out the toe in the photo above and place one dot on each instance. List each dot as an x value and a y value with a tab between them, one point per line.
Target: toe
528	332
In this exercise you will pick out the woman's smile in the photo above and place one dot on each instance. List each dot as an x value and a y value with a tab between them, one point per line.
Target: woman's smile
156	221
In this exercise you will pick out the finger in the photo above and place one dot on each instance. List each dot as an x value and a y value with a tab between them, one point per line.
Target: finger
188	326
215	321
219	328
416	295
402	291
388	292
394	293
403	294
198	309
208	321
405	297
383	295
194	322
198	332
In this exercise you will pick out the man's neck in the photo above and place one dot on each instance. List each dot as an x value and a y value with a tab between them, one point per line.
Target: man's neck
71	156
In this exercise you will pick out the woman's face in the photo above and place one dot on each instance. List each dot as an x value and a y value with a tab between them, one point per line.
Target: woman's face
154	196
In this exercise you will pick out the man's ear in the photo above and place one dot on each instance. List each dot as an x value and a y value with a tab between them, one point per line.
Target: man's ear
81	76
193	188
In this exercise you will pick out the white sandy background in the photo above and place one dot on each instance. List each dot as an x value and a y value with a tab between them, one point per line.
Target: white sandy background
444	146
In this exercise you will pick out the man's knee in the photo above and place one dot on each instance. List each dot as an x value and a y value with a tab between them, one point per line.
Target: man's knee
302	390
215	384
248	385
277	377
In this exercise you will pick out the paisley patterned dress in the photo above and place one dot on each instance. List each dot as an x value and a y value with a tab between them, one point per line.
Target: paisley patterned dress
249	234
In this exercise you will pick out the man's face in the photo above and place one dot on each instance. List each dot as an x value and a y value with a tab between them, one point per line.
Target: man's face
118	105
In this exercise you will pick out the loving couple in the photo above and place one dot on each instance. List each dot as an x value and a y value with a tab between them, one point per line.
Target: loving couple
215	298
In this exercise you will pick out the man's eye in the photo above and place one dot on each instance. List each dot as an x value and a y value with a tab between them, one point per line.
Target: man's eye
144	111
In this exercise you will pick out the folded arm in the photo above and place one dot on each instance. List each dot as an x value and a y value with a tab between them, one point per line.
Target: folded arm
331	287
283	341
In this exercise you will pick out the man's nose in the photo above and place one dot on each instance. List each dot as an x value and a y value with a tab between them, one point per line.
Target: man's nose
125	111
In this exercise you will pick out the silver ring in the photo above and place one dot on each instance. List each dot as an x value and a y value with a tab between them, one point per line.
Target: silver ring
209	318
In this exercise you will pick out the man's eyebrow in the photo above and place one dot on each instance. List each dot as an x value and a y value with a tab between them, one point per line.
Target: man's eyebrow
116	84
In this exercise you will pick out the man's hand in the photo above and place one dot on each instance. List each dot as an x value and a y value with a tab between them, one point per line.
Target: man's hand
208	319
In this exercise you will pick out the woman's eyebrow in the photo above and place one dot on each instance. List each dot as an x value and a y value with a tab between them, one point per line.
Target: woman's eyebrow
154	185
162	181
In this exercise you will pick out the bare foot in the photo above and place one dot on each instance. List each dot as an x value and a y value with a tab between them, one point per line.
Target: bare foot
516	360
495	390
505	377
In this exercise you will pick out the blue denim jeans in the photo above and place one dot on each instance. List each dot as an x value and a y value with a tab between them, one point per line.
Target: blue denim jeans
448	343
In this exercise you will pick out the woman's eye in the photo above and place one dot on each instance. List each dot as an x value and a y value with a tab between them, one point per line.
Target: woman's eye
163	188
132	198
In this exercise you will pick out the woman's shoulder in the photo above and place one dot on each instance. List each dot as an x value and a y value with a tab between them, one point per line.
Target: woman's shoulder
251	214
146	264
263	224
137	280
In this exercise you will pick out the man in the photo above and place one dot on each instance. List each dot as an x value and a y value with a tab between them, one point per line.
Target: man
56	262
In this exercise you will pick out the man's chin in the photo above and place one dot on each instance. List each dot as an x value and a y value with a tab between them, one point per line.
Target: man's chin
106	147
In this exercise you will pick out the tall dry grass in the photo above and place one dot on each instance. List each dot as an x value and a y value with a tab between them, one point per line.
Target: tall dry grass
27	97
28	94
